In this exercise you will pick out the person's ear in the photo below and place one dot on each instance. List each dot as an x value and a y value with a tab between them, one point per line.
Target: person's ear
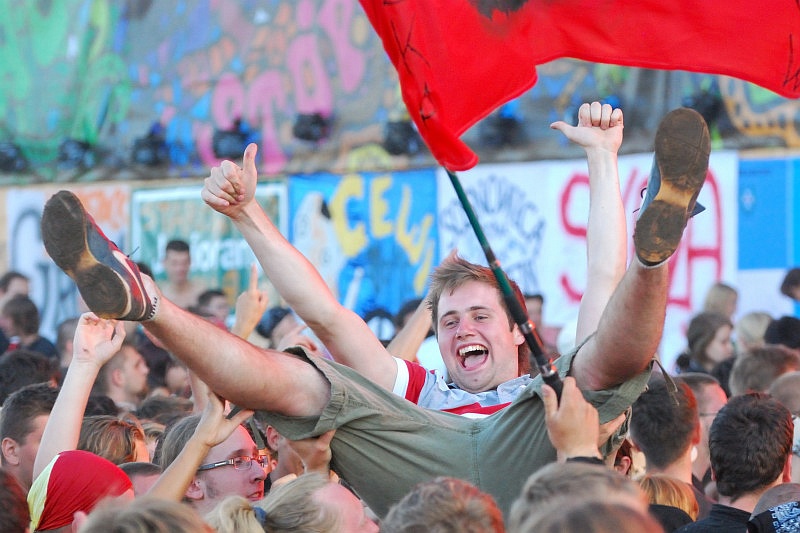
786	475
623	465
195	491
9	450
273	438
696	434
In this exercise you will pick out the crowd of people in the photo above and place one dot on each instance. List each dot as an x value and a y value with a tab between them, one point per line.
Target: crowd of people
157	411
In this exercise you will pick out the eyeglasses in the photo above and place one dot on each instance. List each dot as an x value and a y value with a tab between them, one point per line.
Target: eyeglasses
239	463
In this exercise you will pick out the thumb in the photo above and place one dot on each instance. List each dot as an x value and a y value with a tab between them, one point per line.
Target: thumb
550	401
249	160
560	125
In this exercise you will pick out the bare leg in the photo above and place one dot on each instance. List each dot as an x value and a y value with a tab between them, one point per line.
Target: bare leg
631	326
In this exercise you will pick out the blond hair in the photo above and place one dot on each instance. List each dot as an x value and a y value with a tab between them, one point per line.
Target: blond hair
666	490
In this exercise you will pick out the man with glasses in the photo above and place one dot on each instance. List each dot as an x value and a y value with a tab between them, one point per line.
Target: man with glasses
233	467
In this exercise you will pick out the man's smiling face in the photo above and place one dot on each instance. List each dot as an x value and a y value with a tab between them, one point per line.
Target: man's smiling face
477	345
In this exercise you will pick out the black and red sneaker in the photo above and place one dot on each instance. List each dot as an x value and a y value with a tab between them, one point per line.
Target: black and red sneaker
682	149
107	279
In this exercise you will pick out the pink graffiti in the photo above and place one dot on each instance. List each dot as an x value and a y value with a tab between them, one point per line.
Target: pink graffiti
335	17
312	88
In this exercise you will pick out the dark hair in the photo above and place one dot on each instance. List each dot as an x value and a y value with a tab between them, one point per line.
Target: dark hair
701	331
790	281
663	422
408	307
206	296
454	273
164	409
535	296
177	245
144	268
8	277
19	368
784	330
135	468
272	317
22	407
23	314
755	371
14	513
749	442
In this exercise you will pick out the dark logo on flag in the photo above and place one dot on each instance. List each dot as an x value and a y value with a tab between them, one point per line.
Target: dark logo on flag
488	7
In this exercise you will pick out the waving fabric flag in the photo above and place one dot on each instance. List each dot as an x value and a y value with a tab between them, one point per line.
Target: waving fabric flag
459	59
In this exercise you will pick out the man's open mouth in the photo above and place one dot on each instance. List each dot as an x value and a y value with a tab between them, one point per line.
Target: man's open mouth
472	356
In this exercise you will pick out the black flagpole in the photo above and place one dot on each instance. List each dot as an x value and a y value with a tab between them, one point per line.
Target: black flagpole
538	357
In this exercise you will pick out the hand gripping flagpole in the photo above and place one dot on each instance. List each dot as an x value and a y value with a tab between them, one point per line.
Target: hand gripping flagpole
538	357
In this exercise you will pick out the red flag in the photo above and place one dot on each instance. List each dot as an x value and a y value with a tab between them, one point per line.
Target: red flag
460	59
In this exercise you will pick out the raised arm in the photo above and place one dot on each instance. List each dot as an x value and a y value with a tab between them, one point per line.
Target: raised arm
96	341
599	133
230	190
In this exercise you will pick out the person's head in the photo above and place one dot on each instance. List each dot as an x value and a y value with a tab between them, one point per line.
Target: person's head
791	284
749	330
234	514
165	410
623	460
777	509
119	441
784	330
287	461
405	312
214	302
74	481
312	502
444	504
786	389
276	322
535	306
124	377
142	475
559	482
589	516
750	443
14	514
177	261
481	346
20	316
231	467
721	298
664	423
709	339
19	368
142	515
22	422
758	369
14	283
64	336
666	490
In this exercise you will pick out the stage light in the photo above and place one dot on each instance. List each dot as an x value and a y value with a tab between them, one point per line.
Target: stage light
73	153
311	127
11	158
400	137
230	144
151	150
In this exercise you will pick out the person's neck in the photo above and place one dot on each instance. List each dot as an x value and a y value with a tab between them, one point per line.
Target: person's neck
680	469
747	502
26	340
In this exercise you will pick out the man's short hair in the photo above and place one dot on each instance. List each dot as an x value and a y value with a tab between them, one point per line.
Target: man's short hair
784	330
756	370
790	281
103	380
455	272
557	482
206	296
19	368
663	422
21	409
749	442
144	514
8	277
444	504
140	468
786	389
292	507
177	245
23	314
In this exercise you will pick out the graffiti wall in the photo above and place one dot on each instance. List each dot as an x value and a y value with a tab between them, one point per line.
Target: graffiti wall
535	215
105	73
372	236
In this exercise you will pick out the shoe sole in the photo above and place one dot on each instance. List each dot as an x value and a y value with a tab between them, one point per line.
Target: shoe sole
682	149
88	258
